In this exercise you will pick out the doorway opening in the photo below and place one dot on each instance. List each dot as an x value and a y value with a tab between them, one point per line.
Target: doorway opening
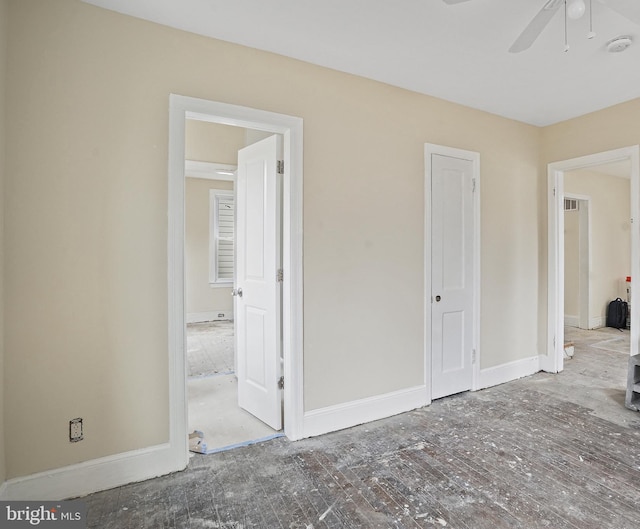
289	128
577	262
217	419
592	301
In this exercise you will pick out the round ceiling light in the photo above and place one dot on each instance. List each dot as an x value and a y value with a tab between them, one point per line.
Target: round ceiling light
575	9
619	44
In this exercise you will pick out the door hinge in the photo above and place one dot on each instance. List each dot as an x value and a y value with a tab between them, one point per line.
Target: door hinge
281	382
473	356
554	191
473	185
280	275
280	166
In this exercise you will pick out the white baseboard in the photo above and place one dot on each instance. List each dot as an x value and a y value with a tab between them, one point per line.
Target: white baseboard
333	418
574	321
493	376
138	465
91	476
571	321
216	315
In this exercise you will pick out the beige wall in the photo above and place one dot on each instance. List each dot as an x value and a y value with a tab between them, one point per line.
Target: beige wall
571	263
610	243
607	129
205	142
200	297
4	29
86	230
211	142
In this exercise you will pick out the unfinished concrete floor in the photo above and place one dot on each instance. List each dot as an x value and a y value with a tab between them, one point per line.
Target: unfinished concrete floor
212	389
210	348
547	451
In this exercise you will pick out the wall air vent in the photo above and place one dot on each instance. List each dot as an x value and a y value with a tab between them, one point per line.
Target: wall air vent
570	204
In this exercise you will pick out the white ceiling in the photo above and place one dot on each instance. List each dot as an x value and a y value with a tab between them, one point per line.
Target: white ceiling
454	52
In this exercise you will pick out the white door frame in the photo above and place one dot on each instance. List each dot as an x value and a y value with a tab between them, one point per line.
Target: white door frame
553	361
290	127
474	157
584	258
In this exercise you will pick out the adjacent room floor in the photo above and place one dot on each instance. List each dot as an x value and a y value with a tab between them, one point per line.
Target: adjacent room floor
547	451
213	390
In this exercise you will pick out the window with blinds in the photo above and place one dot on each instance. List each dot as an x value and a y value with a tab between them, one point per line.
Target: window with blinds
221	230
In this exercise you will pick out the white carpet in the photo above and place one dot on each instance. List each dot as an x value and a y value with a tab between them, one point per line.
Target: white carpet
213	410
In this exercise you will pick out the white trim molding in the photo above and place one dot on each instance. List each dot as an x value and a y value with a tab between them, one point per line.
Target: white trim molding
492	376
346	415
214	315
92	476
571	321
594	323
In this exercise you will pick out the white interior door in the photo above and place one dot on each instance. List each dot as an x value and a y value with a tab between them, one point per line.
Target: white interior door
257	287
452	265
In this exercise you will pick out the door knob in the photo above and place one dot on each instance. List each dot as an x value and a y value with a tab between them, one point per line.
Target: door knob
438	298
237	292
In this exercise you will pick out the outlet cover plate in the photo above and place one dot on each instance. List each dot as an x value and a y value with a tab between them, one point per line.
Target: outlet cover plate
75	430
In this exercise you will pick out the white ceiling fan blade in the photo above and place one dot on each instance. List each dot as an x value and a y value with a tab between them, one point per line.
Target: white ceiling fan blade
627	8
451	2
535	27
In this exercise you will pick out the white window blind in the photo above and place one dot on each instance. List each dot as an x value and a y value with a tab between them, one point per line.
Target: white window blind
221	229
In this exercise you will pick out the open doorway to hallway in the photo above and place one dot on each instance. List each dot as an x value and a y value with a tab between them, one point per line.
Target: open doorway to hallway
613	262
598	296
597	270
597	242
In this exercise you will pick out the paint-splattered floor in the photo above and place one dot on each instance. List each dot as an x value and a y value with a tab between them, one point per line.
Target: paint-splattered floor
541	452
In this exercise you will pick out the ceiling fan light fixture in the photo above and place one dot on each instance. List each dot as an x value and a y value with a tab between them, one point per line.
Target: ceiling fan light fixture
575	9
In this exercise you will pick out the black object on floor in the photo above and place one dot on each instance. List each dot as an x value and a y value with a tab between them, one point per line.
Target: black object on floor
617	314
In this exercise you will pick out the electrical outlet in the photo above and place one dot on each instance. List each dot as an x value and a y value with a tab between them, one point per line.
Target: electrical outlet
75	430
